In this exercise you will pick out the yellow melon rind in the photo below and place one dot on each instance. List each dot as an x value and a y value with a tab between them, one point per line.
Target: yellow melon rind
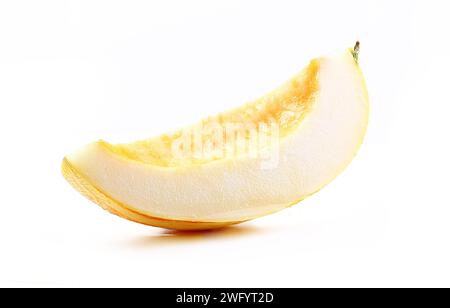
87	189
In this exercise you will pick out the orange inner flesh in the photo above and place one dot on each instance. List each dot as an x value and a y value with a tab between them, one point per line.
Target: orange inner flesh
279	112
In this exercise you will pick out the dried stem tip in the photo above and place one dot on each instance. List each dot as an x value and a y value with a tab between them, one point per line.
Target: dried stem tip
355	51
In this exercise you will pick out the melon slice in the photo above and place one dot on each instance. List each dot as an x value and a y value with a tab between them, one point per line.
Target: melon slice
239	165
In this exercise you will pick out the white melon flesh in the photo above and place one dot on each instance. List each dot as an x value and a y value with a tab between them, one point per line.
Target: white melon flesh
235	189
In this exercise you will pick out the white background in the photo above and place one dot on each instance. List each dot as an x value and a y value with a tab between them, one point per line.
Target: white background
72	72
